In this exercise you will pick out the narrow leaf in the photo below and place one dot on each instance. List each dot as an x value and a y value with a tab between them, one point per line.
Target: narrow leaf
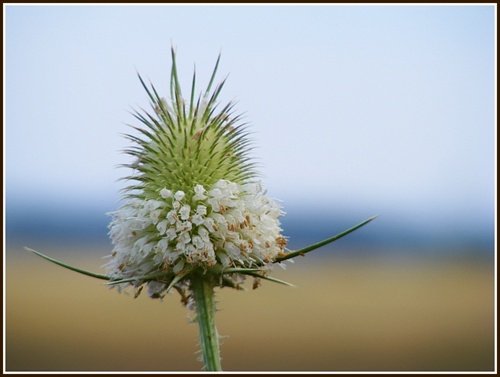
274	280
307	249
88	273
138	278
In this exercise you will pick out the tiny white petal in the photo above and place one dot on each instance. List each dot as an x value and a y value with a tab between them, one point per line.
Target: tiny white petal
179	195
201	210
171	234
162	227
199	193
172	216
184	211
197	219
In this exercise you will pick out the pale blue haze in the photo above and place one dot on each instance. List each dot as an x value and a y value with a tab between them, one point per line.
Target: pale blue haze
374	109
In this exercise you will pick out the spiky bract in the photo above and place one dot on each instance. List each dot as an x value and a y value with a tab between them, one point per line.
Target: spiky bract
185	144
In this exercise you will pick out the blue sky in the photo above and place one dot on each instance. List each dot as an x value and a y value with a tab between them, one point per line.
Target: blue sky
386	108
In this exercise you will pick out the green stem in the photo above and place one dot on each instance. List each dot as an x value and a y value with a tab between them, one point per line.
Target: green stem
203	294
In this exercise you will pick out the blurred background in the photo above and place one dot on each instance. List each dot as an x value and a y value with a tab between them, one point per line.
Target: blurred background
354	110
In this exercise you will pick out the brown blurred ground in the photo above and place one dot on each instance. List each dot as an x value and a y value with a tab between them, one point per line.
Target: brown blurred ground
360	314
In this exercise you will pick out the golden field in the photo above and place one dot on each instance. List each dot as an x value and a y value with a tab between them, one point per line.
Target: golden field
345	314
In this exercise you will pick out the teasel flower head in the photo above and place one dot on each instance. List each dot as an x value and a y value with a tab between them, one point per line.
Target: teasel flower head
195	206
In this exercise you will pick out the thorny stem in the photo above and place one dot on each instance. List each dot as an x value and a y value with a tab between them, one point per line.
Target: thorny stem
202	288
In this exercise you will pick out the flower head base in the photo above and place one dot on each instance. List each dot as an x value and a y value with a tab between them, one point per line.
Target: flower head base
196	206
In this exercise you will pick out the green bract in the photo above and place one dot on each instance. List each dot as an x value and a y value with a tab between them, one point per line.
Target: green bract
186	144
